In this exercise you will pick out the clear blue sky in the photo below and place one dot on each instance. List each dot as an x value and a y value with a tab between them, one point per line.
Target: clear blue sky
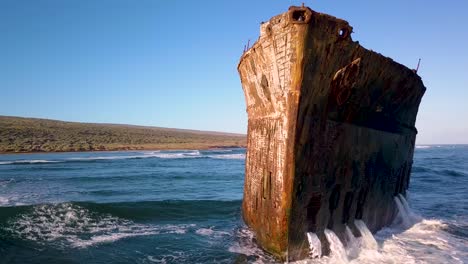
173	63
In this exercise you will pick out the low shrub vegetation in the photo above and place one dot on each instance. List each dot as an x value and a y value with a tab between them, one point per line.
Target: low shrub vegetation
19	134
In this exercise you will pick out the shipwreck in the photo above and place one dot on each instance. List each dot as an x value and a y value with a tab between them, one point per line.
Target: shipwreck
331	133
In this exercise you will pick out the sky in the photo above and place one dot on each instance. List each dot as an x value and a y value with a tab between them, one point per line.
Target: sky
174	63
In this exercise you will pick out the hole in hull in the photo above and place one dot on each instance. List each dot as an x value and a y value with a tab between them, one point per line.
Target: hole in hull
299	15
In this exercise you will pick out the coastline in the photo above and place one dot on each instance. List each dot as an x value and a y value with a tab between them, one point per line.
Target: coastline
31	135
136	148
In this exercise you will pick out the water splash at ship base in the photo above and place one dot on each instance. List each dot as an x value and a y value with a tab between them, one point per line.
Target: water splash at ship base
398	243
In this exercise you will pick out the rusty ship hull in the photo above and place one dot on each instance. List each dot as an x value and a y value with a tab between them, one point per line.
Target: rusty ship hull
331	132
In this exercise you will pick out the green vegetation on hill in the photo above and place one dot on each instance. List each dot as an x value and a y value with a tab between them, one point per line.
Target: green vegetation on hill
19	134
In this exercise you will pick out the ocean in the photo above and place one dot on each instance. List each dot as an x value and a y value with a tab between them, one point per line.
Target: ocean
185	207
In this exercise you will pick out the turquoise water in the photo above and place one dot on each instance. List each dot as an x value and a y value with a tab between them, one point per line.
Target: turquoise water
184	207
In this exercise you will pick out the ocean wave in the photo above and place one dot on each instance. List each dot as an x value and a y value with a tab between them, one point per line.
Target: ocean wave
143	155
174	257
166	210
169	210
418	169
216	151
453	173
72	225
28	162
220	150
177	155
104	158
423	146
4	201
211	232
4	183
429	171
239	156
424	242
458	228
245	245
412	239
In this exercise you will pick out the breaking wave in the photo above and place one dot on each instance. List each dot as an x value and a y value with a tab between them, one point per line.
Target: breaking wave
143	155
69	224
239	156
4	201
214	154
28	162
78	225
423	147
245	245
211	232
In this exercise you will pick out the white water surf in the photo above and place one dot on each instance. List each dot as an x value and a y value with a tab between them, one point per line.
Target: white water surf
367	239
410	239
315	245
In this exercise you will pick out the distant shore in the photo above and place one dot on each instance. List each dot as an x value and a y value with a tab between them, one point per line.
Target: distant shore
32	135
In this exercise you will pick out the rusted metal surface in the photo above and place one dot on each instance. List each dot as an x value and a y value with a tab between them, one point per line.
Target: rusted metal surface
330	133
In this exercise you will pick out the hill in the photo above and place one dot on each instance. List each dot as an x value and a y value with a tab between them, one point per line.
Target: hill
18	134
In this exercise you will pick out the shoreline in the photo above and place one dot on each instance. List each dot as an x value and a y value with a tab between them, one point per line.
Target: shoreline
130	149
30	135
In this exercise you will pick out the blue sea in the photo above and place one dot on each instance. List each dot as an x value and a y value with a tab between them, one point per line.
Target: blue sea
185	207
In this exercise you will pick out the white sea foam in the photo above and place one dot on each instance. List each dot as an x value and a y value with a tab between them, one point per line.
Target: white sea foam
239	156
143	155
423	147
315	246
174	257
125	231
211	232
74	226
109	157
337	250
352	244
4	183
405	218
175	155
11	199
426	241
4	201
367	239
205	231
105	238
28	162
151	152
104	158
193	153
245	245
